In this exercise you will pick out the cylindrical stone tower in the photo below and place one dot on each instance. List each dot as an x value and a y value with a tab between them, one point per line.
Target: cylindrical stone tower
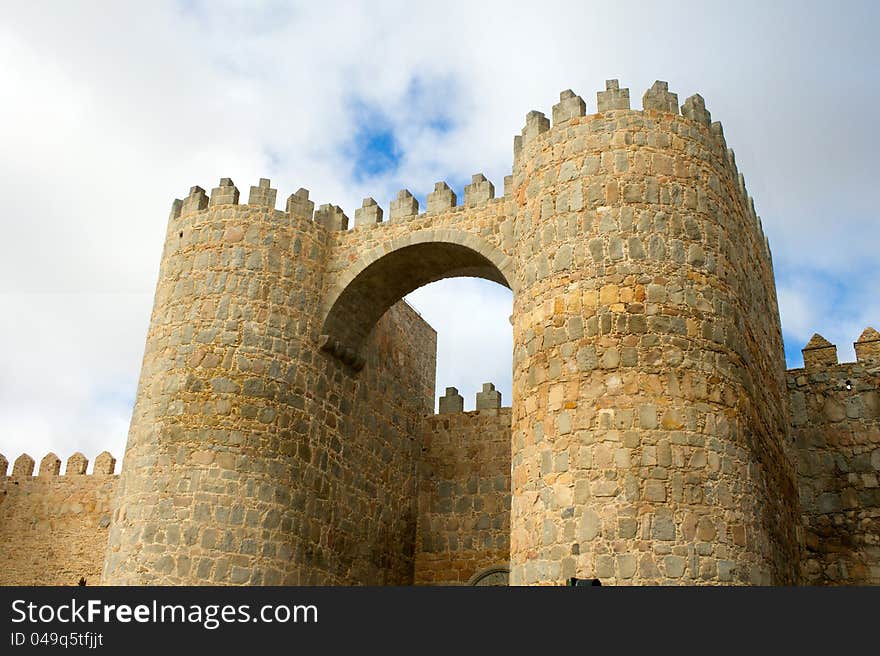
208	491
247	458
648	363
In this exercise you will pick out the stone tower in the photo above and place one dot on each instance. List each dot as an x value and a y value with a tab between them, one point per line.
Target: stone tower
646	334
272	439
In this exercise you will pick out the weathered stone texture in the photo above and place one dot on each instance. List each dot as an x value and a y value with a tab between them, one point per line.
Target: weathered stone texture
283	431
252	457
649	408
53	528
464	496
835	420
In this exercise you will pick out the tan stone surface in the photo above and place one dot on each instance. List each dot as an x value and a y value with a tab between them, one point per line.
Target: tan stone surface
53	528
835	418
464	496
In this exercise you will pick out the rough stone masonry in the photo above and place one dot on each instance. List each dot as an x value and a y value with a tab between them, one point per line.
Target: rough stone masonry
283	431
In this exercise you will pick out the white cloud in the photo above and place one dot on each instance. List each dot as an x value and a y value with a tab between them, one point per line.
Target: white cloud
108	111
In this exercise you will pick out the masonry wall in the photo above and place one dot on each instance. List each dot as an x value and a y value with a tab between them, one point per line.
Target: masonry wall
648	386
253	457
464	496
836	444
53	529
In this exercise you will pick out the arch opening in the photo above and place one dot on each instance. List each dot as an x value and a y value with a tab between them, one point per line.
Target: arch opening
387	279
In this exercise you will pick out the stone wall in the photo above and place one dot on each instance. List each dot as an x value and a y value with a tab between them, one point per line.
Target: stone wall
649	392
836	444
253	457
53	528
464	496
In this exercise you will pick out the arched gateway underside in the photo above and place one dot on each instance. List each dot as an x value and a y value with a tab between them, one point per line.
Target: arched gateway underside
382	277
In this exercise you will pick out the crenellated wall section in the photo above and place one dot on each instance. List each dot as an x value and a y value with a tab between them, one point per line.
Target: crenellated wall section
53	526
835	420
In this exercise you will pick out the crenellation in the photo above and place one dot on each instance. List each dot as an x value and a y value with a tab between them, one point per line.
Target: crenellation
4	465
23	466
452	402
195	201
441	199
479	191
76	465
694	108
369	213
50	465
536	124
489	398
105	464
299	206
404	206
819	354
176	208
569	106
612	98
331	217
868	347
660	99
225	194
718	132
263	195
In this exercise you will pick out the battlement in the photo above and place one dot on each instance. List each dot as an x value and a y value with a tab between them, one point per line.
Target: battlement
820	354
571	109
50	465
615	101
453	403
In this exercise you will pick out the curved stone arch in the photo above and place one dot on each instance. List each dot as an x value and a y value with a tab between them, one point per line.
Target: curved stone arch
490	573
381	276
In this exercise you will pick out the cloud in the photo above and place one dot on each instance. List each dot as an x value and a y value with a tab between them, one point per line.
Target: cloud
109	111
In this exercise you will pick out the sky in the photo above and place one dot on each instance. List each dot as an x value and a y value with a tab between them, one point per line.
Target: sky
109	111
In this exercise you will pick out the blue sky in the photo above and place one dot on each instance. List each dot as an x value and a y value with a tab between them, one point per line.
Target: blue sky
103	125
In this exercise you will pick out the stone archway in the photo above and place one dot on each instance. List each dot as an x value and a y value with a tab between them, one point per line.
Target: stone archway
383	276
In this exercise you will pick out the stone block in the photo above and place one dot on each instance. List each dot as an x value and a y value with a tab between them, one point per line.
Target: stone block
369	213
489	398
569	106
659	98
613	97
404	206
225	194
479	191
452	402
441	199
262	195
299	206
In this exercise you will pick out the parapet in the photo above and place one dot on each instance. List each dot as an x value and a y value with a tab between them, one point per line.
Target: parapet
821	354
404	206
225	194
442	198
613	97
263	195
868	346
487	399
570	106
50	465
368	213
452	402
479	191
659	98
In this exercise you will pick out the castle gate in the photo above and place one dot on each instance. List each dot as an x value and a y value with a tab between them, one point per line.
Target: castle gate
272	442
